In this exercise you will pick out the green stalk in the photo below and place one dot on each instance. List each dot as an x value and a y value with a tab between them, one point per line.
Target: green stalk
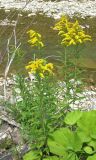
65	62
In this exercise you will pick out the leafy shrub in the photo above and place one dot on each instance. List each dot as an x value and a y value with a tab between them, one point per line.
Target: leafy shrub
38	110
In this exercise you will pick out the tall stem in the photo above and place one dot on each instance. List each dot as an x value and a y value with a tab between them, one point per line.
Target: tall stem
65	62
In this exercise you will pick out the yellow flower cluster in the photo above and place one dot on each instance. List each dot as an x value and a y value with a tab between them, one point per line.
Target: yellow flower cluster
71	33
40	67
35	39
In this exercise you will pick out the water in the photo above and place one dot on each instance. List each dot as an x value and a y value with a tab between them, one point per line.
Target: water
43	24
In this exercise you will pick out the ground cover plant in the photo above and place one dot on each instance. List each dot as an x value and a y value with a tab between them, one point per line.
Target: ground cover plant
74	141
77	140
43	109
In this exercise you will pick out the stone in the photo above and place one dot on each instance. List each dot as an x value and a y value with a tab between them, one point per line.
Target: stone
6	157
53	8
16	136
24	149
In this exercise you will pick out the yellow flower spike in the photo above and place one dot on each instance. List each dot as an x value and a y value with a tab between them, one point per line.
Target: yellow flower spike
71	33
40	67
35	39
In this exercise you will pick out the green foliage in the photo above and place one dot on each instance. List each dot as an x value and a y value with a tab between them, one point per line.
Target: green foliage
37	110
89	120
88	150
64	142
52	158
32	155
86	123
92	157
78	141
73	117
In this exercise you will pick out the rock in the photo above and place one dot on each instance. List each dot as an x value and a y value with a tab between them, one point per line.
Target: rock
4	116
10	139
53	8
24	149
6	157
5	138
7	10
16	136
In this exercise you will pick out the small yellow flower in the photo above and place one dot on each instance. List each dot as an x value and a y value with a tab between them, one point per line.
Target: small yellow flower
41	75
49	65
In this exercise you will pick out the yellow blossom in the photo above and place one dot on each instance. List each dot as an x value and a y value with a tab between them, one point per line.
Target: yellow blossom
35	39
41	75
71	32
40	67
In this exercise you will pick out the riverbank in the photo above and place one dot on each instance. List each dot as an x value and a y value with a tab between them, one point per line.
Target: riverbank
54	9
85	100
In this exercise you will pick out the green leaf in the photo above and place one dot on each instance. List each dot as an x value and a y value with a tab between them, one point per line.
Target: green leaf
73	117
72	156
87	125
93	144
63	141
52	158
88	150
92	157
83	136
56	148
32	155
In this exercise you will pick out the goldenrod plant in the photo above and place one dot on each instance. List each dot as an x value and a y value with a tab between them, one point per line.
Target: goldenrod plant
72	35
72	38
38	111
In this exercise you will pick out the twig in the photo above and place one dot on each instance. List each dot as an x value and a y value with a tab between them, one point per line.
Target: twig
7	69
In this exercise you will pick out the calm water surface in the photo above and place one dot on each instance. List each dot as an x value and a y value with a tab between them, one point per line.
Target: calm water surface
43	25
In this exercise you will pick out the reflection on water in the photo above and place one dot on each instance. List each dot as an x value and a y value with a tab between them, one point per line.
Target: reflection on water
43	25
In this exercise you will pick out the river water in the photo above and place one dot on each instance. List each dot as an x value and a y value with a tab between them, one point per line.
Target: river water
42	24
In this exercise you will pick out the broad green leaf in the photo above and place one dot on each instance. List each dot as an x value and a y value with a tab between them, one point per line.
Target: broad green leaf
83	136
92	157
73	117
56	148
32	155
70	156
64	137
63	140
93	135
88	150
87	124
77	142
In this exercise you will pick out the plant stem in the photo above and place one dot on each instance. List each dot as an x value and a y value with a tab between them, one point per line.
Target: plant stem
65	61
